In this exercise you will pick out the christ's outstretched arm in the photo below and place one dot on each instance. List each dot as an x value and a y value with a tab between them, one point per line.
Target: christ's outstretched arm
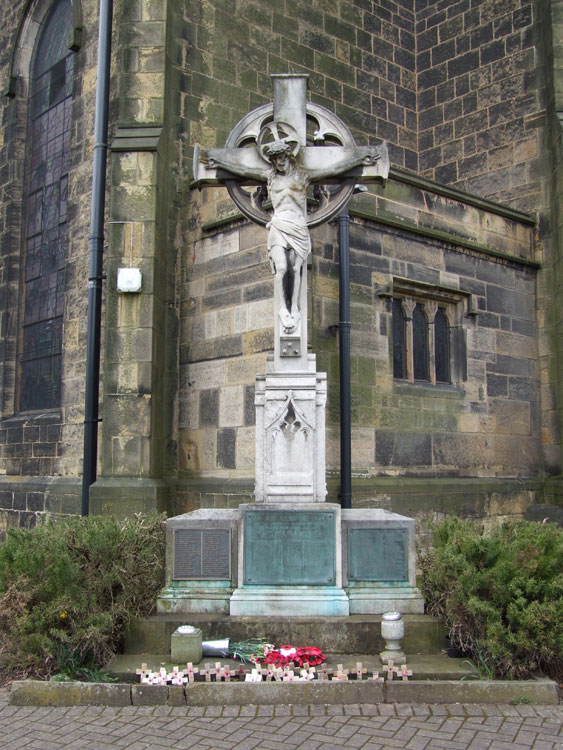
221	158
364	157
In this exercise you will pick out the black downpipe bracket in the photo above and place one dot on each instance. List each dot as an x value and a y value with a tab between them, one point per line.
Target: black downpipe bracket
96	243
344	344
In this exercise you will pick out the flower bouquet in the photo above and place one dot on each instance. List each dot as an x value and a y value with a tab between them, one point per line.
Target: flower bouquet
299	656
252	650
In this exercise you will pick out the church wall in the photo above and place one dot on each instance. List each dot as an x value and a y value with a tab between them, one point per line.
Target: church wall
488	427
485	427
481	97
549	291
40	453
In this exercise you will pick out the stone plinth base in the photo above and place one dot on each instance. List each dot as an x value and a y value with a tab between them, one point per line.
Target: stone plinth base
189	597
289	601
376	600
290	559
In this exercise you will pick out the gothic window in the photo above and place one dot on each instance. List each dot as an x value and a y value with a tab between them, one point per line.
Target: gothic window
428	339
45	227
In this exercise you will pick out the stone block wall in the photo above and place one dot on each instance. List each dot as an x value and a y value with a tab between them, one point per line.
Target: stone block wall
360	58
42	448
481	97
487	423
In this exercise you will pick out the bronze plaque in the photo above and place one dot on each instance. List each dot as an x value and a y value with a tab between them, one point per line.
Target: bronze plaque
202	553
291	548
378	554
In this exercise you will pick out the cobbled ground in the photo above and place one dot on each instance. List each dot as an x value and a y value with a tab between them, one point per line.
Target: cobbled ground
413	727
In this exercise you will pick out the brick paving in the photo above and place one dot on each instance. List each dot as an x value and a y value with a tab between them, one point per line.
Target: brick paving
413	727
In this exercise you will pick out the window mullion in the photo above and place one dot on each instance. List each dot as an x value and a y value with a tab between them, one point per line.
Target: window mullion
431	308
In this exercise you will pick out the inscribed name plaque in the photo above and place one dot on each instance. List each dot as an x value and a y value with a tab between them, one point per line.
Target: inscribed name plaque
289	548
377	554
202	554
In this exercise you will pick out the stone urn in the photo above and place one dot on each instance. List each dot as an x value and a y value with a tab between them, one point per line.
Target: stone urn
392	632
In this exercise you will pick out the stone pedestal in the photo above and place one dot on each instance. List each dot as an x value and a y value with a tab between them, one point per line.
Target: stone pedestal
379	562
290	559
290	436
185	645
201	562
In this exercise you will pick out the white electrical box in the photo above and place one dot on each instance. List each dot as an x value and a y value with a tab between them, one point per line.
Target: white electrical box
129	279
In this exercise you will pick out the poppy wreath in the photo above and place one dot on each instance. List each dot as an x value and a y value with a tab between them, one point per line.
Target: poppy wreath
285	654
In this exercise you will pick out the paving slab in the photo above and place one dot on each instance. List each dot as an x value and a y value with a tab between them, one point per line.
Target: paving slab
411	726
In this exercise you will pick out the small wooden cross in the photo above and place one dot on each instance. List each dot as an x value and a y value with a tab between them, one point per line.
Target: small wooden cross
143	672
324	673
405	673
254	676
376	678
178	677
267	673
206	673
341	674
360	671
278	674
218	671
227	673
391	669
241	673
191	672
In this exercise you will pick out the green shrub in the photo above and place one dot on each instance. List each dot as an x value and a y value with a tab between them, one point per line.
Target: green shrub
500	595
69	588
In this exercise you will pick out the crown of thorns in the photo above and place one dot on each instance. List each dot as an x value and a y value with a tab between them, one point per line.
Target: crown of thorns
277	147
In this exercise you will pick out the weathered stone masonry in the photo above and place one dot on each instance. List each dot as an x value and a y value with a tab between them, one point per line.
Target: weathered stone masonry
465	94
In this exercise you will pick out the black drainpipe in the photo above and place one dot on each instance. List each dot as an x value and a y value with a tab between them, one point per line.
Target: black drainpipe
344	344
96	243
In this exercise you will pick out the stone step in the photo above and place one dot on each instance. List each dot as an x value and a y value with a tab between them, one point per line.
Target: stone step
422	666
343	635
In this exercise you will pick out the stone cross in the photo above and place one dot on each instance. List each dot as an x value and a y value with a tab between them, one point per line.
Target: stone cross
269	148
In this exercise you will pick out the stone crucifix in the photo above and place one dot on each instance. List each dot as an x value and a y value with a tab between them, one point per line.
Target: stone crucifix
268	149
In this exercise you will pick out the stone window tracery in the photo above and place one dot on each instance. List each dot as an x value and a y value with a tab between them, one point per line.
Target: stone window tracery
428	339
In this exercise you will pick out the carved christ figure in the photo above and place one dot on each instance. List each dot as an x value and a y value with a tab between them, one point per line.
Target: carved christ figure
289	241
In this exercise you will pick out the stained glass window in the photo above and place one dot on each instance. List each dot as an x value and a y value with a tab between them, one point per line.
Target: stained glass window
45	231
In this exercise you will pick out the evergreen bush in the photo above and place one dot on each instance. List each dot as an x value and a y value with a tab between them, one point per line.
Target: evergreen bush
500	594
69	588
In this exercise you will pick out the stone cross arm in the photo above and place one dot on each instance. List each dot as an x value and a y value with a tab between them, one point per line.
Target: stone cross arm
323	164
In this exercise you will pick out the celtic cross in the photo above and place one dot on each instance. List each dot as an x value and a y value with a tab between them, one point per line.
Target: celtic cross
290	151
